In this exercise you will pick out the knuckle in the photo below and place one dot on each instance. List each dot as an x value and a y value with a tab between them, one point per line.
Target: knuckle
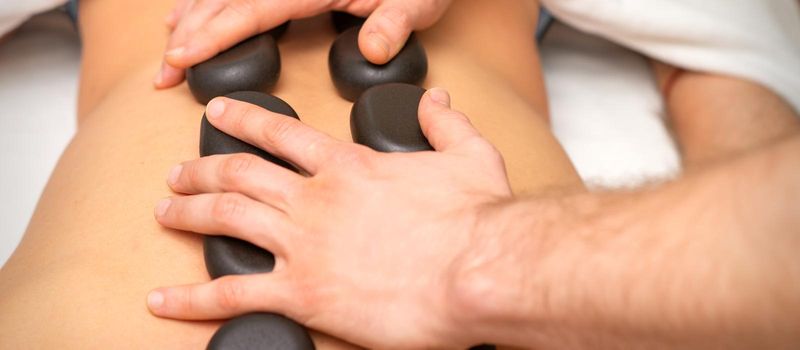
318	148
240	122
336	4
278	131
397	17
474	290
305	302
245	8
454	116
340	4
246	11
176	212
227	208
443	122
354	158
193	175
438	125
235	168
229	294
358	7
478	145
186	301
483	148
430	12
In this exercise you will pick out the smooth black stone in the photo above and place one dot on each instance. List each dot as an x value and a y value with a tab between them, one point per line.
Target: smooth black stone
483	347
343	21
231	256
278	31
261	331
352	74
213	141
252	65
226	255
385	119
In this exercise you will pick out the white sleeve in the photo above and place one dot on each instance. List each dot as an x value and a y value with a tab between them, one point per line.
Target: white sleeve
758	40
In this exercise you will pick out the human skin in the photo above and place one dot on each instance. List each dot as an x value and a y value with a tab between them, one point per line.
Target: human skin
714	117
92	250
202	29
705	262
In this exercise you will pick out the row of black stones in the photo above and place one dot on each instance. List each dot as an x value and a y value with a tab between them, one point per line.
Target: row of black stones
384	117
238	73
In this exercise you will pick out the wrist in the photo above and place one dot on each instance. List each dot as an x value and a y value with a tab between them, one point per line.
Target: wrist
493	282
649	267
582	271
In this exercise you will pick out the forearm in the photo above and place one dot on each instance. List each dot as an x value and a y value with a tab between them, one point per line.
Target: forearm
715	116
705	262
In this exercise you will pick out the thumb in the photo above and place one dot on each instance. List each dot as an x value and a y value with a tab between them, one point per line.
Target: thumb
444	128
387	29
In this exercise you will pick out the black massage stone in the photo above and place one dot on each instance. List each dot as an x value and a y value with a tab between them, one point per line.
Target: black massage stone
252	65
278	31
261	331
213	141
385	119
226	255
343	21
483	347
352	74
231	256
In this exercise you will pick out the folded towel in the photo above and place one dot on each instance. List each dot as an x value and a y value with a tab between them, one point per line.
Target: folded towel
14	12
758	40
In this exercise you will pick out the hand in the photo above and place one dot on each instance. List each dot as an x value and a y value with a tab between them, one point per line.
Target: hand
368	246
203	28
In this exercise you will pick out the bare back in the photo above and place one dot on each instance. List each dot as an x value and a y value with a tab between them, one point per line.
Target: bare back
93	250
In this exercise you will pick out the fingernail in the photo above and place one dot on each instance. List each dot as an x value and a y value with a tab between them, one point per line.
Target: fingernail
176	51
378	41
215	108
162	206
155	299
440	96
172	179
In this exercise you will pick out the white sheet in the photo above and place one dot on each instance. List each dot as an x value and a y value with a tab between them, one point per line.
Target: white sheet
14	12
757	40
38	87
606	112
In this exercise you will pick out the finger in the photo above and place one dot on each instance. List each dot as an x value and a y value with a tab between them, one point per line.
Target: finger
190	23
225	297
174	16
385	32
387	29
444	128
194	19
229	214
242	173
285	137
168	76
238	20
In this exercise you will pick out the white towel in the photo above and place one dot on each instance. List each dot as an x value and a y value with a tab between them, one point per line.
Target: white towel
758	40
14	12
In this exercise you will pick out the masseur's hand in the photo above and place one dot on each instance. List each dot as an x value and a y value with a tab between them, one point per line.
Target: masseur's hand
203	28
369	246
